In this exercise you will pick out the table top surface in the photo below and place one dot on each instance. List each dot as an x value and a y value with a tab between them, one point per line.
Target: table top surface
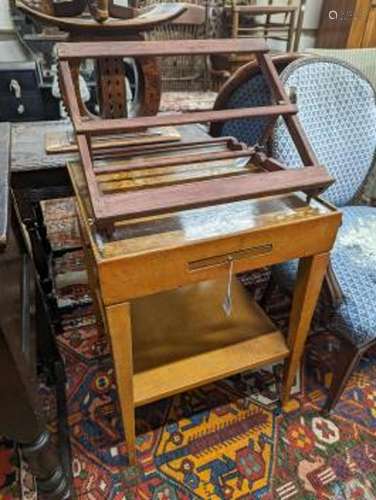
188	227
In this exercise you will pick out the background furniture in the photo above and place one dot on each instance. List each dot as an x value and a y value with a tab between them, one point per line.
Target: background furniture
183	72
331	92
362	59
246	22
26	339
247	87
112	92
347	23
276	21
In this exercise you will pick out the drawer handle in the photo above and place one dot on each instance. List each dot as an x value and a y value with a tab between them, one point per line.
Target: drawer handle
218	260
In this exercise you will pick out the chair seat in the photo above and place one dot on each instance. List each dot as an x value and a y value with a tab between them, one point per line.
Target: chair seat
354	262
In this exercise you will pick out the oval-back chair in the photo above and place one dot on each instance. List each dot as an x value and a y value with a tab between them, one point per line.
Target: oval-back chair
247	87
337	109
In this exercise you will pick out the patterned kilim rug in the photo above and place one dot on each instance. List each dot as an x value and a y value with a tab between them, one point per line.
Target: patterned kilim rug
222	441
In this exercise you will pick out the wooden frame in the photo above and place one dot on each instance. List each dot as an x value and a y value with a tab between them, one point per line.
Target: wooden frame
109	208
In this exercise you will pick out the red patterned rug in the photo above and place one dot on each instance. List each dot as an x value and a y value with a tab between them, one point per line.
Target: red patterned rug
223	441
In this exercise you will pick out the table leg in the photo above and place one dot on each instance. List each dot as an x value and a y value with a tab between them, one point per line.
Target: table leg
21	420
90	267
120	333
311	273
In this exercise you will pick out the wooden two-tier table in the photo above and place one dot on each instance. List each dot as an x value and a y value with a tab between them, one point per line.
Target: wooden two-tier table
159	284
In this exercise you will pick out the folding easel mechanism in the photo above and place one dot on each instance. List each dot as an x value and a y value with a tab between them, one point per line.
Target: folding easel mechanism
249	172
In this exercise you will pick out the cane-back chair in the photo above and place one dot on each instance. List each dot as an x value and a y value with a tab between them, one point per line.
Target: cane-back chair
183	73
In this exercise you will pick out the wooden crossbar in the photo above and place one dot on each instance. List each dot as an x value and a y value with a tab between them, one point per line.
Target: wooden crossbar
99	127
93	50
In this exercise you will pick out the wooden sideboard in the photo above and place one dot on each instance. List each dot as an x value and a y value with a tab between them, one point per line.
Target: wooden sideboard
347	24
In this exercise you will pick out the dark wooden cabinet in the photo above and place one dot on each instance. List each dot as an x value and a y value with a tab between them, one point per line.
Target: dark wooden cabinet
347	24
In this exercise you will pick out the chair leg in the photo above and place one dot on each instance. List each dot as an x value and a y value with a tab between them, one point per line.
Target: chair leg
349	357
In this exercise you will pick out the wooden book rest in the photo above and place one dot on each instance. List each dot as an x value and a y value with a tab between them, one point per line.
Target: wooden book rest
259	175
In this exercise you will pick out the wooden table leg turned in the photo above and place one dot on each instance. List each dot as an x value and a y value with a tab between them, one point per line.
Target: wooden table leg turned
311	274
120	333
44	465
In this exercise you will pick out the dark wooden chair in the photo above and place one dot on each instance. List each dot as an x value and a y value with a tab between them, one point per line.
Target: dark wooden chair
247	86
117	23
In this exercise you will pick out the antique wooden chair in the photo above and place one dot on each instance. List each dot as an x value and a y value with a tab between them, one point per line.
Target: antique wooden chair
183	73
337	110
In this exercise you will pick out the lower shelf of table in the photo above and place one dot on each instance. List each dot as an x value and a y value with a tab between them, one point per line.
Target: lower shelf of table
183	339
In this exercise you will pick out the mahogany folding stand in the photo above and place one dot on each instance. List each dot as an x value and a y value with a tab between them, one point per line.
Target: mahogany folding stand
271	178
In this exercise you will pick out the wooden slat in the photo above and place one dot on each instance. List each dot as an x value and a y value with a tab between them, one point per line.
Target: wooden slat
170	161
99	127
166	179
90	50
210	192
157	383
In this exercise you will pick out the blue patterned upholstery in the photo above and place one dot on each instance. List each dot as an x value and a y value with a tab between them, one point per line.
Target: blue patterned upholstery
354	262
254	92
337	111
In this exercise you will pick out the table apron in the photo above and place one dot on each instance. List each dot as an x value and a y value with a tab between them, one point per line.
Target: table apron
124	278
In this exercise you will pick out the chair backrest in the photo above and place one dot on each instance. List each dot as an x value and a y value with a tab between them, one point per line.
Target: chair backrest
247	87
272	21
337	109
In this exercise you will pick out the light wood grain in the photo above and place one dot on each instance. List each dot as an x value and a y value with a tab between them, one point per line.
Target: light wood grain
310	277
119	325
